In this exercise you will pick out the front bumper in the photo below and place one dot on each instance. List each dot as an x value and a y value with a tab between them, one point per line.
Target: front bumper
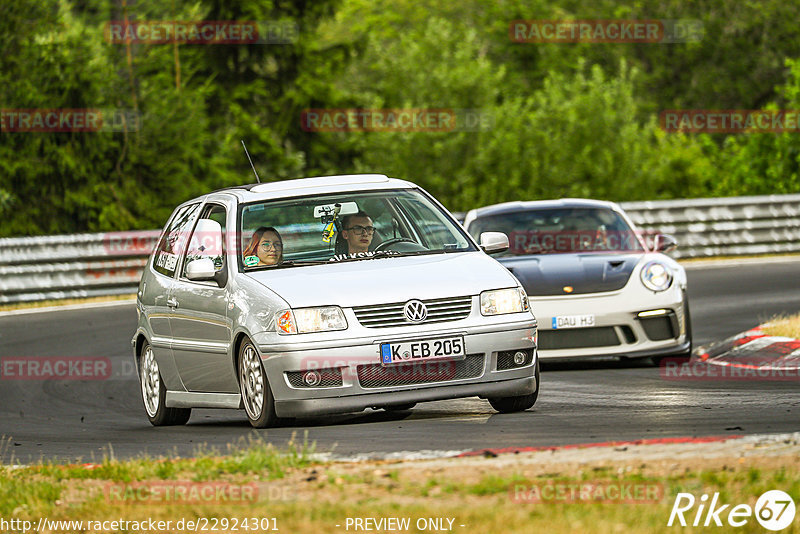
355	394
356	403
618	330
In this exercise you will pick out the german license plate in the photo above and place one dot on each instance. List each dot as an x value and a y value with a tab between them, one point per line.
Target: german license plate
573	321
446	348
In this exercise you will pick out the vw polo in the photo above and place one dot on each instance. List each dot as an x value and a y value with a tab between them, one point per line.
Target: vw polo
328	295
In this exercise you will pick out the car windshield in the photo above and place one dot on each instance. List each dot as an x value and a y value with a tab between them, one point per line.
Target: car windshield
345	227
561	231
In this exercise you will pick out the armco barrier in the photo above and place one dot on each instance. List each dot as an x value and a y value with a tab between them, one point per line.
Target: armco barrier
69	266
66	266
706	227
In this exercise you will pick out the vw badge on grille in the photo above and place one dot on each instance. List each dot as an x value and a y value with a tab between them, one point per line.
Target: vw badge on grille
415	311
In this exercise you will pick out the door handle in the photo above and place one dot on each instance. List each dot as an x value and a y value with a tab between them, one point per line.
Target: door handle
172	302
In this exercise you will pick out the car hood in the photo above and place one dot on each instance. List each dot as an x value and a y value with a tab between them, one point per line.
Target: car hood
387	280
549	274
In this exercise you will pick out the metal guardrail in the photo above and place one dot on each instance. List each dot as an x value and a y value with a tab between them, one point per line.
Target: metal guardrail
707	227
72	266
84	265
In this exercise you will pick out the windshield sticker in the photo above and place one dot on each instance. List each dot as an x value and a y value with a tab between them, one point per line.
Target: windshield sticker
249	261
328	216
328	232
167	260
359	255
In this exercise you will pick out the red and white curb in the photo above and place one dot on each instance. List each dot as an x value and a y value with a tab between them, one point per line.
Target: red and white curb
753	350
753	443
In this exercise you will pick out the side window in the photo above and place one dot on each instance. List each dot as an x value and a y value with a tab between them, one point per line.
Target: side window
431	224
204	244
387	224
172	244
381	216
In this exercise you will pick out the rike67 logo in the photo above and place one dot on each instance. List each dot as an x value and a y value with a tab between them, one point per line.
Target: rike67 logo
774	510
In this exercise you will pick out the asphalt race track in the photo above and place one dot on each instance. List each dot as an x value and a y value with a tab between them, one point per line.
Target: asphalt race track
588	402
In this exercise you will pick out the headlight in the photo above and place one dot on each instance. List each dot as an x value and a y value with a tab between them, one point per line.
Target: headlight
308	320
502	301
656	276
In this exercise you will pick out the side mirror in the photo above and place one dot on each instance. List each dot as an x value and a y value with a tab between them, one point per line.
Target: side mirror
207	238
206	243
665	243
492	242
200	270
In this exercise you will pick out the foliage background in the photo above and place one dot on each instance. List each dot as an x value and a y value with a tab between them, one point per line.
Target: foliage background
568	119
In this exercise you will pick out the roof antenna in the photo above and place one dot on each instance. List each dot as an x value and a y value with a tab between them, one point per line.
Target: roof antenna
251	162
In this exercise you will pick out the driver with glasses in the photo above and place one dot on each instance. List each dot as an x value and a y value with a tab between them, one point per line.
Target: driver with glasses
357	231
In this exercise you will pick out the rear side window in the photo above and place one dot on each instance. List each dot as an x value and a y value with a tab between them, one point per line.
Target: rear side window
205	246
174	240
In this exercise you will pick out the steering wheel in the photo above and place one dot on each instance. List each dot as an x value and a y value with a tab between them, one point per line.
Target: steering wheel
389	242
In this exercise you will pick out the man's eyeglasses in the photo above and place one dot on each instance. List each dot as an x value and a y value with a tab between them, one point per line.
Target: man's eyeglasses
362	229
277	245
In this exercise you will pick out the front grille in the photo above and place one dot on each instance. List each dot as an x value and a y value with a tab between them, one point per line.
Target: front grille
377	376
329	378
660	328
578	338
627	333
439	310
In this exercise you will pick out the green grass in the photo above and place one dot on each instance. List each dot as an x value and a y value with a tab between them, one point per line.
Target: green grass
492	484
20	494
323	495
251	456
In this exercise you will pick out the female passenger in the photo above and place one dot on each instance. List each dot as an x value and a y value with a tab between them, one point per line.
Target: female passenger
265	248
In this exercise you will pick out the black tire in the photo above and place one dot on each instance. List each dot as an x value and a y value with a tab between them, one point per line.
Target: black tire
517	404
400	407
154	404
259	404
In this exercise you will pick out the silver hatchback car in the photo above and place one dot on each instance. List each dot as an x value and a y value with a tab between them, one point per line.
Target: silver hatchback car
328	295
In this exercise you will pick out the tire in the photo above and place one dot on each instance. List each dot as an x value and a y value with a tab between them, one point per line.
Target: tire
400	407
154	393
254	387
517	404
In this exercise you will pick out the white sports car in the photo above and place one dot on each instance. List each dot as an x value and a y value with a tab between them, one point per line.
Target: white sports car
596	286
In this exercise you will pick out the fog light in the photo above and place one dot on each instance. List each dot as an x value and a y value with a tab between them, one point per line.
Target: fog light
653	313
519	357
311	378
